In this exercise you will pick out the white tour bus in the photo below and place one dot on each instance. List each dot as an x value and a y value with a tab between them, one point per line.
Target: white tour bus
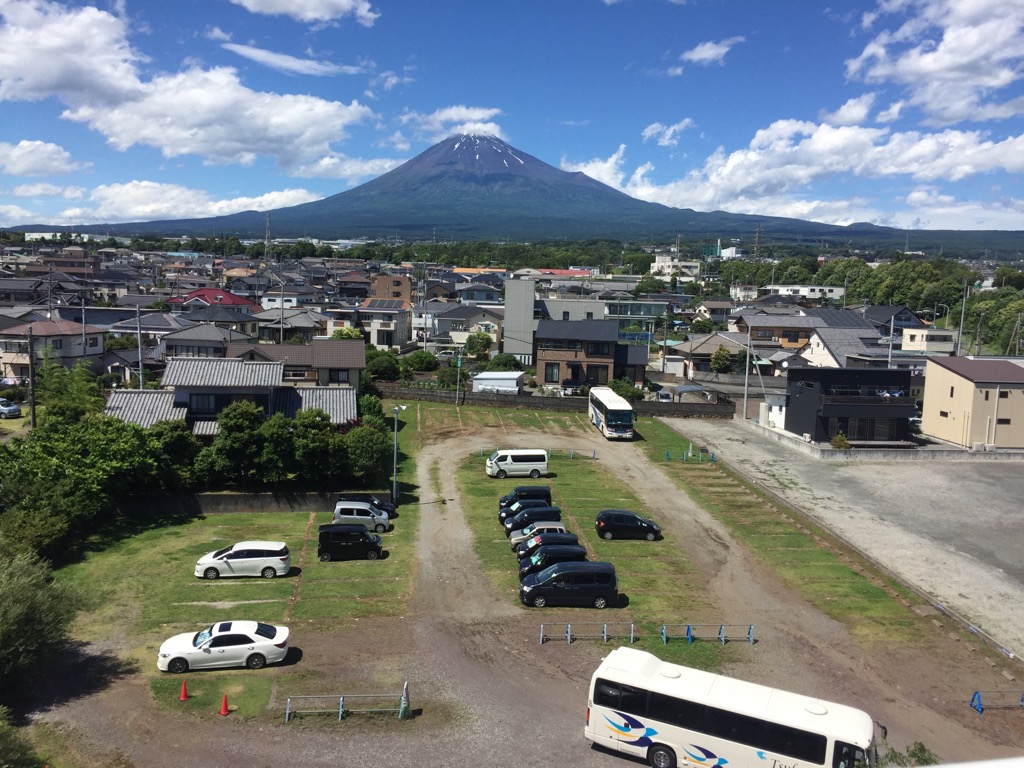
669	714
611	413
517	462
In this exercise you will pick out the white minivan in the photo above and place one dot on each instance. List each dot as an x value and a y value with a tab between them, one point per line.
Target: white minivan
517	462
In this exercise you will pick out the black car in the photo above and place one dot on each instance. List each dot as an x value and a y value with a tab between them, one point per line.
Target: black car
529	546
381	501
548	555
623	524
347	542
519	506
571	584
525	492
531	515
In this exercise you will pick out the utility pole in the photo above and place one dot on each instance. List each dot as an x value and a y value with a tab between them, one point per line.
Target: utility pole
31	380
963	310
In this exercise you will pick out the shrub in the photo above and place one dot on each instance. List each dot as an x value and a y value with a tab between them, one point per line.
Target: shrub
839	442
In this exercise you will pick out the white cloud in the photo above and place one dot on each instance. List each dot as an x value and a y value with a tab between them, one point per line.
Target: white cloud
309	11
37	158
955	58
148	200
11	215
351	170
711	52
92	69
217	34
891	113
292	64
854	112
45	189
771	175
225	122
442	123
666	135
81	55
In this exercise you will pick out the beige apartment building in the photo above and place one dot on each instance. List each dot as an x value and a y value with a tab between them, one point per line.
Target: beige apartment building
974	402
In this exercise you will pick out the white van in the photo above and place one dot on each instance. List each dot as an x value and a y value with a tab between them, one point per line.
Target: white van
517	462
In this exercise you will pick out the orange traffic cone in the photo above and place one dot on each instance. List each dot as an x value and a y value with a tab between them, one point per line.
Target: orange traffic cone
184	692
224	707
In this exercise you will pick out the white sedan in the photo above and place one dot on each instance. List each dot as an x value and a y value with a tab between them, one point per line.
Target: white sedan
249	644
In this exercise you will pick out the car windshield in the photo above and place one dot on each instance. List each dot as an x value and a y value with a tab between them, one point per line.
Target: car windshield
536	560
529	529
202	636
222	552
494	456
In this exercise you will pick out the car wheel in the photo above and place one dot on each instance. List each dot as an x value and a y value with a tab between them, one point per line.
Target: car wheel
650	536
600	602
177	666
501	474
268	573
539	601
373	554
3	416
211	574
661	757
534	473
380	528
607	536
256	661
325	557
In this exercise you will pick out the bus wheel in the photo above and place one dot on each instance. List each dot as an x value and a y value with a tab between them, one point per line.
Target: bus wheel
661	757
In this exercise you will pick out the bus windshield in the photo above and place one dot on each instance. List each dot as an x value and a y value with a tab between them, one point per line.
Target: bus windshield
620	418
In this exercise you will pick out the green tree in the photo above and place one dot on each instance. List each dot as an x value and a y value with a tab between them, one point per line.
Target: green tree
369	455
277	459
233	457
625	389
721	360
69	394
35	614
176	449
112	343
421	360
371	407
383	367
477	344
650	284
319	450
15	751
348	332
504	362
702	326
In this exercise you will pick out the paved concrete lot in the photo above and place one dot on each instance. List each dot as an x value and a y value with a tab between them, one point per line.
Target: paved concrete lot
951	529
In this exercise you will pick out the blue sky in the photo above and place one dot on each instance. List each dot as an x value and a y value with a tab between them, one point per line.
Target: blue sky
906	113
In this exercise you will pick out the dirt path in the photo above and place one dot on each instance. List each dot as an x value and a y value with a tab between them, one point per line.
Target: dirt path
508	701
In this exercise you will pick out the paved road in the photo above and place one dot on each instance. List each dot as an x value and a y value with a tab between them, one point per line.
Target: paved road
952	529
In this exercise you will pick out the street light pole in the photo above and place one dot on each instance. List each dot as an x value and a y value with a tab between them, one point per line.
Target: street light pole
394	469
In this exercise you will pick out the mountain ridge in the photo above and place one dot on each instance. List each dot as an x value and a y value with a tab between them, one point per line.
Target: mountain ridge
477	187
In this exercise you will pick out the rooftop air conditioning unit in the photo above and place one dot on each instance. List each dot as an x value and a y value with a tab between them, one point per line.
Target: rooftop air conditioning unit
978	447
807	437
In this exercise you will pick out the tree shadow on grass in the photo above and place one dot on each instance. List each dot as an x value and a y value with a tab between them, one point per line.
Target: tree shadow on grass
77	671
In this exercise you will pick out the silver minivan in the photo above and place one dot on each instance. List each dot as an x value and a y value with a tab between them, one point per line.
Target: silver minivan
517	462
360	513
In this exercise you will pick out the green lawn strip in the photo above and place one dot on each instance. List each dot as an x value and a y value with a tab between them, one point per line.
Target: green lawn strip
654	577
248	693
803	558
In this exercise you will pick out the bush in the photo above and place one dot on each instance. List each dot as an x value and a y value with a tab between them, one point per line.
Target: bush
839	442
504	362
15	751
421	361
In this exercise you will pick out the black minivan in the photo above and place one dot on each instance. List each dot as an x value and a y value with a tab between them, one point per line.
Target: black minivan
550	554
591	584
347	542
525	492
529	546
531	515
519	506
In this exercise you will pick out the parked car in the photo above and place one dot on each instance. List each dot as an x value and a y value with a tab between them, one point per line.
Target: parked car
517	462
360	513
381	501
9	410
663	396
529	546
591	584
246	558
623	524
347	542
541	526
519	506
249	644
530	515
550	554
525	492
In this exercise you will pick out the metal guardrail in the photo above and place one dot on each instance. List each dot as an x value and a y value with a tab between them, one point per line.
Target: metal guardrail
997	700
603	635
308	705
720	633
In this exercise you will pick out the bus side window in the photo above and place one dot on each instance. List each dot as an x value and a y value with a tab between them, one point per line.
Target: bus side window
843	756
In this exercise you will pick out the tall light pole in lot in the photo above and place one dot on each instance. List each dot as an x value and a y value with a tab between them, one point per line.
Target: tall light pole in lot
394	469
